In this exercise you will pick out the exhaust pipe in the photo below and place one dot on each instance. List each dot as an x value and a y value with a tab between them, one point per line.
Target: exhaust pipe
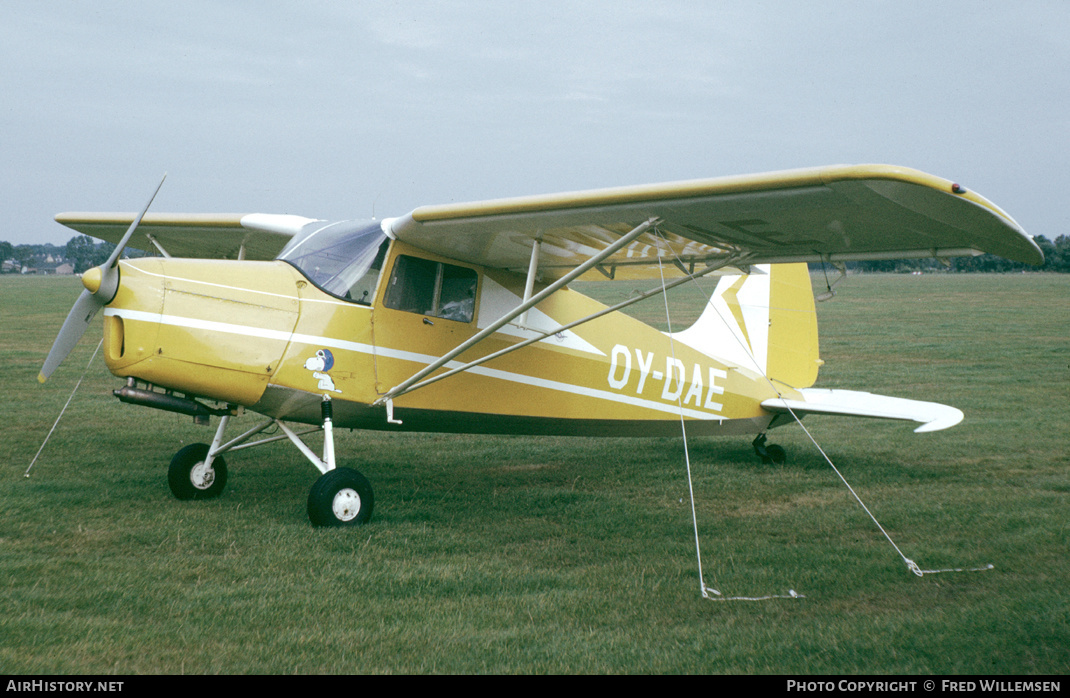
167	401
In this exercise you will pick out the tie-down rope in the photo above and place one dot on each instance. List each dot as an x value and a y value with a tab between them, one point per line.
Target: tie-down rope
706	591
911	565
54	425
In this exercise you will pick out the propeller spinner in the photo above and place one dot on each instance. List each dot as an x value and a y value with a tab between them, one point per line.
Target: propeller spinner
100	283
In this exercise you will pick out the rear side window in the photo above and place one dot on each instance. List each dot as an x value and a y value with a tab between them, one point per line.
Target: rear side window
432	288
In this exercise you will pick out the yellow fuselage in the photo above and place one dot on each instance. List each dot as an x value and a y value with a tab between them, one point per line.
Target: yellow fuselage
261	335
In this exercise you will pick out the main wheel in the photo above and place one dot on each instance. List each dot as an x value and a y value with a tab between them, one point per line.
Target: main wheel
776	453
340	497
189	478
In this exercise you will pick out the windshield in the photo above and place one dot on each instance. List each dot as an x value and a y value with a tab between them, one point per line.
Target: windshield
343	259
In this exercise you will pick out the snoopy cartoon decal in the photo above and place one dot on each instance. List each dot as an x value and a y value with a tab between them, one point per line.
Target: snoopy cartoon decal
320	364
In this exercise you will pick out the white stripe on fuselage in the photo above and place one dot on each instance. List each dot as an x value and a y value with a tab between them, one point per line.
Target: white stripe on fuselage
273	294
401	354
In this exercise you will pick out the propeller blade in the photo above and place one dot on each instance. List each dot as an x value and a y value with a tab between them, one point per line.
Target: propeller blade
85	308
90	302
114	258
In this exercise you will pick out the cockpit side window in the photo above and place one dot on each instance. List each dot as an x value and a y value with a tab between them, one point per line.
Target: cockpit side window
432	288
344	259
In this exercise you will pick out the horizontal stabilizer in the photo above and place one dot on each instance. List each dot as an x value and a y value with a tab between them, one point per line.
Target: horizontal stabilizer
852	403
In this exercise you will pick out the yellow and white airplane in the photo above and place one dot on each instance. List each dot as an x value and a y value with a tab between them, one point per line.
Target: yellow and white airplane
459	318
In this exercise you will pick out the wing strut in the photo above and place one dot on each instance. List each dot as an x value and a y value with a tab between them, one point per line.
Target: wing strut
154	241
533	269
519	310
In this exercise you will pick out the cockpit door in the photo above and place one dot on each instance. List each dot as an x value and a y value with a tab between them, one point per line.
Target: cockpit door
427	306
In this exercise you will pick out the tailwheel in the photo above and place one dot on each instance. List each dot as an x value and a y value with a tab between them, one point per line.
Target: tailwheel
340	497
770	453
776	453
190	476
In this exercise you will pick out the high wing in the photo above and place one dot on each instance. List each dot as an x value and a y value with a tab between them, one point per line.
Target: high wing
255	236
834	214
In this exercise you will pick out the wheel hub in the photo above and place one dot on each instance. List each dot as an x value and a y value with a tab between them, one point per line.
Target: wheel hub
346	504
202	476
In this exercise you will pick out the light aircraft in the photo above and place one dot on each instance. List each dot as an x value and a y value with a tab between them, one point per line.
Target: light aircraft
459	318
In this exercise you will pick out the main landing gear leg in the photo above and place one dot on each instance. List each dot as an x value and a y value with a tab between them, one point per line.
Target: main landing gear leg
196	472
341	496
768	453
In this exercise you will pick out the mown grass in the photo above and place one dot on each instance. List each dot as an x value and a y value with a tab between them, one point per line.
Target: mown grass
544	555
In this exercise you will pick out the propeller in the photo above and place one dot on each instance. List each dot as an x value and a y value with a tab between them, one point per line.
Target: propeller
101	283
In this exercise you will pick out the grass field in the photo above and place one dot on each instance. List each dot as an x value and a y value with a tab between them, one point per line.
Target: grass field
546	555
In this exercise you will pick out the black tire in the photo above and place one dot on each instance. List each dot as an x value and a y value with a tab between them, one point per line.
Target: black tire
776	454
188	479
340	497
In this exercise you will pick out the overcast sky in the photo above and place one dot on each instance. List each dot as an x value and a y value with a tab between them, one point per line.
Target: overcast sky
352	109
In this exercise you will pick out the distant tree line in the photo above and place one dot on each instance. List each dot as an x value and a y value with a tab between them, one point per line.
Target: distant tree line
81	251
1056	258
85	253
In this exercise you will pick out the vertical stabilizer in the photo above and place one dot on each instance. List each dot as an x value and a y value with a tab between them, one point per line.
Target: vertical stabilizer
763	321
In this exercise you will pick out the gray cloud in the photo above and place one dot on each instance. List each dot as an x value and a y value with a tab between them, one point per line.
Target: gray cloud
335	110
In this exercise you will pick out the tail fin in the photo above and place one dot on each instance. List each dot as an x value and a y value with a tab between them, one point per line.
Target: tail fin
762	321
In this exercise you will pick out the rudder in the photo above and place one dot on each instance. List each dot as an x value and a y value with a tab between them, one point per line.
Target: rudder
763	321
794	354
